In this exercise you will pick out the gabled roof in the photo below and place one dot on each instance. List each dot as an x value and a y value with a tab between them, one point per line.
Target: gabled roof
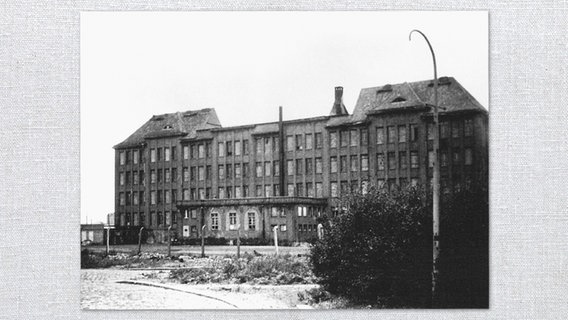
171	125
452	97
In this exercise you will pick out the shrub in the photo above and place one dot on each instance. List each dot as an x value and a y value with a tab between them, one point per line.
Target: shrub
378	250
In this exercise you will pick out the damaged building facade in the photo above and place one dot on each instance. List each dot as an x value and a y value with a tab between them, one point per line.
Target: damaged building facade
186	171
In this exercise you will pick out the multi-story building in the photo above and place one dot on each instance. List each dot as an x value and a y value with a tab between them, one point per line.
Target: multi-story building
186	171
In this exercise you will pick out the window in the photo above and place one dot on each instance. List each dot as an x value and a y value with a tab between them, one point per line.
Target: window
268	191
353	137
193	194
344	138
238	173
245	147
364	187
267	145
344	187
185	152
193	151
319	190
283	227
152	155
319	166
414	159
232	221
274	212
309	166
468	128
455	129
431	159
310	189
267	168
333	139
135	178
258	169
174	195
168	175
121	199
299	166
276	165
401	134
354	186
159	154
319	140
364	137
380	135
208	151
229	148
251	217
333	164
444	130
365	162
299	142
414	182
258	145
152	197
168	197
246	191
122	157
207	193
121	178
430	131
391	134
221	193
201	173
167	154
290	190
468	157
128	198
229	193
300	189
229	171
214	221
245	170
208	172
221	149
201	151
192	173
185	195
238	192
343	164
289	143
391	160
135	156
258	190
413	132
221	172
403	162
380	161
174	153
160	176
334	189
152	176
456	157
290	167
160	196
354	164
309	141
185	174
276	144
444	158
238	148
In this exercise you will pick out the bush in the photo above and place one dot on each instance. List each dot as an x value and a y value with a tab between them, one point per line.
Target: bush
378	250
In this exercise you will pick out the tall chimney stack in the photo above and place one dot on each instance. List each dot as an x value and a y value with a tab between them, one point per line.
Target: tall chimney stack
338	108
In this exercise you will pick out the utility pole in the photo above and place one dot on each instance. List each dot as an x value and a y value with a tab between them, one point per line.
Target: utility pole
202	233
140	240
436	179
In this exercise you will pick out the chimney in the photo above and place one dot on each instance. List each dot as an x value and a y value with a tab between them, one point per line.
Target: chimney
338	108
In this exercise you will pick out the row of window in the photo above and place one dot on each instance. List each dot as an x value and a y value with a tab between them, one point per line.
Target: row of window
127	157
232	217
160	219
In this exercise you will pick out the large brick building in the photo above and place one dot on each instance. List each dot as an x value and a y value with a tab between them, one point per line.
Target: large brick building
186	171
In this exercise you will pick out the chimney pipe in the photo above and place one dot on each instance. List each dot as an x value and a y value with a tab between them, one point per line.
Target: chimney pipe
338	95
338	108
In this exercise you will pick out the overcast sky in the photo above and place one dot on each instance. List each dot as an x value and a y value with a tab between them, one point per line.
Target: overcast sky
246	64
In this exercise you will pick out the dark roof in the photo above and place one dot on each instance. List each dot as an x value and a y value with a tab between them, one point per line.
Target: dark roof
451	96
171	125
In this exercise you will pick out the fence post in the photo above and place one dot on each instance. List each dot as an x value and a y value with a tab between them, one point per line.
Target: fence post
169	241
203	241
238	241
275	229
140	240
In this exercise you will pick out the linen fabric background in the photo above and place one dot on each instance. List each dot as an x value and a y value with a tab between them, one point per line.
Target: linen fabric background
40	180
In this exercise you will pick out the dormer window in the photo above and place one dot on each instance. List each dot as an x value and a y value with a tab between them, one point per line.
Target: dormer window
168	127
398	99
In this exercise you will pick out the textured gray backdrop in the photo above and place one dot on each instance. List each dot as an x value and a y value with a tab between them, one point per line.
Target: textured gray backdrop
39	156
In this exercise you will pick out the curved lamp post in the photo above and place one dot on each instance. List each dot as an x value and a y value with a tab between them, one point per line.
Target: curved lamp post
436	176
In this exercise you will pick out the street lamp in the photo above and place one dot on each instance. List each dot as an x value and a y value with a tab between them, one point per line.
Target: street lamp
436	176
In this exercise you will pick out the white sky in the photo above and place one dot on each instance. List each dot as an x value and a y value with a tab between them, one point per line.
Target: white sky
246	64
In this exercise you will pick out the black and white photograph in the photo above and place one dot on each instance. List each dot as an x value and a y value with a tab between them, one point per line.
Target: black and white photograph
284	160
